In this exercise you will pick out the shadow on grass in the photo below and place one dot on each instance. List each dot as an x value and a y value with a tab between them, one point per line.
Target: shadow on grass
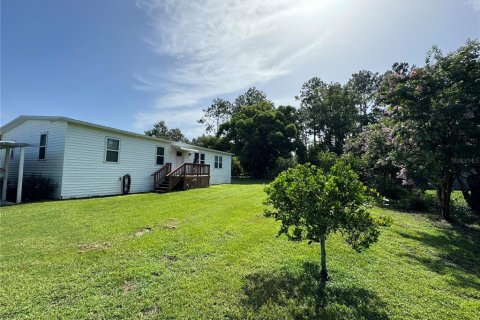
458	253
247	181
287	295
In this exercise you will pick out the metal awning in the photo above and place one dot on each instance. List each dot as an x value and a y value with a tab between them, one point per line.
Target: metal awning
180	148
12	144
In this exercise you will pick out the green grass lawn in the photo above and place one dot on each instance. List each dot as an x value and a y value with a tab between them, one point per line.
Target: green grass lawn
211	254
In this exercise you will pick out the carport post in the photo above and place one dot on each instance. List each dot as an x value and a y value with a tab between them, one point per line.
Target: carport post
5	177
20	174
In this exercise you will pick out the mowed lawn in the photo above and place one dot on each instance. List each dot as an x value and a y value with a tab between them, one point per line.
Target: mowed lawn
211	254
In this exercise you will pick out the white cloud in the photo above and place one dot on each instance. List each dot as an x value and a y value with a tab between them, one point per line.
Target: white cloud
224	46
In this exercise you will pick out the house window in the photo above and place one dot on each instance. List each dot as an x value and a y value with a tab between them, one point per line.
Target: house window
112	150
218	162
179	154
42	150
199	158
160	155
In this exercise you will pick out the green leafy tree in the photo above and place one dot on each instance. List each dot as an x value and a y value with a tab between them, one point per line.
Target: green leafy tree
311	204
363	86
374	147
249	98
217	113
310	99
435	112
328	113
160	130
220	111
176	134
261	133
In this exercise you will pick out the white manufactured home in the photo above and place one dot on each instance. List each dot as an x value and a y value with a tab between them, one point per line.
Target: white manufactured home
85	159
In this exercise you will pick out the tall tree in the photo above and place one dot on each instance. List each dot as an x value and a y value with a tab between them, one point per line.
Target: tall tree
310	106
250	97
217	113
436	114
212	142
328	113
363	86
160	130
220	111
176	134
261	133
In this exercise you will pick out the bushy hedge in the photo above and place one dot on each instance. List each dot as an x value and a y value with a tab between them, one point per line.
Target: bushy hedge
37	187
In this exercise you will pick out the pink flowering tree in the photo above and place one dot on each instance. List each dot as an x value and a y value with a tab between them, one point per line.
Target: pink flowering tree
435	110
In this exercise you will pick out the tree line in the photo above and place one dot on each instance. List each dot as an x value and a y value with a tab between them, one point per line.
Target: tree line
412	127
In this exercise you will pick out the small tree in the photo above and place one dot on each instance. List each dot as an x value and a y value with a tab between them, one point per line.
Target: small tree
312	204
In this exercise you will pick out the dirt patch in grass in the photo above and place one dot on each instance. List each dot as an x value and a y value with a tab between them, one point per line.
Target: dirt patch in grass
85	247
129	286
150	311
169	258
170	224
142	231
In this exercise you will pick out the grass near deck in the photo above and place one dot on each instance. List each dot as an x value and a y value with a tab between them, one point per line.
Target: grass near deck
211	254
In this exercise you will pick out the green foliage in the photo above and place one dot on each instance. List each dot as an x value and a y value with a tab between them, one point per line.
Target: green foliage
37	188
435	112
261	133
251	97
282	164
363	86
221	111
217	113
160	130
237	169
374	150
311	204
211	142
328	113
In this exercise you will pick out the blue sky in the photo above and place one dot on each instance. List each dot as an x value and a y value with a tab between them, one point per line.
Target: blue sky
127	64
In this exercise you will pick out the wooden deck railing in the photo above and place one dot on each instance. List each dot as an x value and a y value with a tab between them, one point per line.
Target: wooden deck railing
199	173
161	174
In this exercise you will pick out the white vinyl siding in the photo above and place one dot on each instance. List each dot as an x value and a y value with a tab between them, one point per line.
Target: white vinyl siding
87	174
29	132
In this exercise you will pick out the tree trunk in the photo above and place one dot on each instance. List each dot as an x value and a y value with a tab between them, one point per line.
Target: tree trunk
444	192
471	194
323	260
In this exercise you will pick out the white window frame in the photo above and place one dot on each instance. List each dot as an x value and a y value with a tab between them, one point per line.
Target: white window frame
44	147
156	155
218	162
200	159
106	149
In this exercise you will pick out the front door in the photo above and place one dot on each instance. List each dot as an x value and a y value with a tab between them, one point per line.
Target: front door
179	158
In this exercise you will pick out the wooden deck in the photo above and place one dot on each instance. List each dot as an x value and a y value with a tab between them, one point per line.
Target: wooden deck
184	177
